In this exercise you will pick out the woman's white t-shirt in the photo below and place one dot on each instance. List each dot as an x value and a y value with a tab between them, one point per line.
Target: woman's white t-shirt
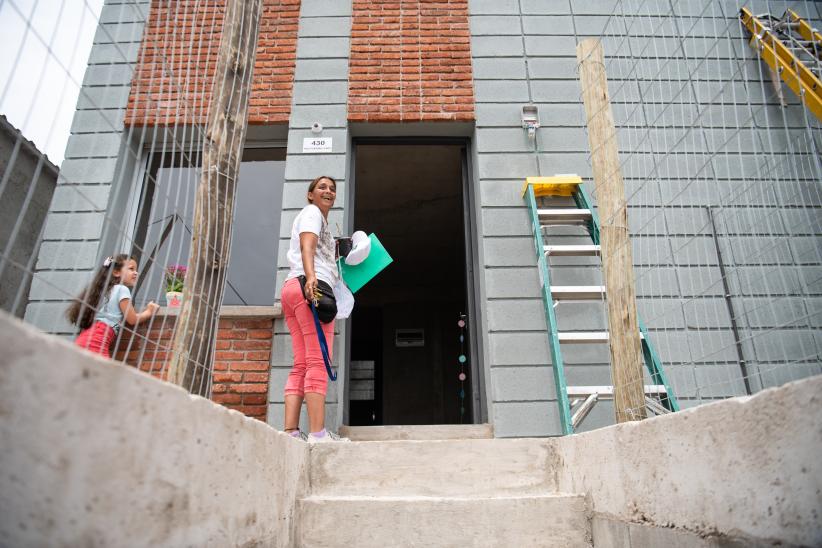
311	219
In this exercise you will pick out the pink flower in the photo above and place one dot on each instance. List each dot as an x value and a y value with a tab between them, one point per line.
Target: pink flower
175	276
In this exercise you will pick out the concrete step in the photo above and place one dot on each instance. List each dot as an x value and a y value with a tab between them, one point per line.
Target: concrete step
433	468
418	432
504	521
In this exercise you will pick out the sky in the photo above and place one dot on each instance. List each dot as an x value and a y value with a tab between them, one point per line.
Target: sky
42	66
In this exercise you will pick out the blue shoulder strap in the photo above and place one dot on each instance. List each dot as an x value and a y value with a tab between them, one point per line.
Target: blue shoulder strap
323	343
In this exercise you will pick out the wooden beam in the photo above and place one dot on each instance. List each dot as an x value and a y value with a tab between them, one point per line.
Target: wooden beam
617	261
194	336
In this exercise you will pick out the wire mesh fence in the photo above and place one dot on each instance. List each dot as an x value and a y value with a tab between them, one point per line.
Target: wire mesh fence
723	180
129	182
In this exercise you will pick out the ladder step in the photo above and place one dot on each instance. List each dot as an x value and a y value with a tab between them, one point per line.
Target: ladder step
585	337
570	337
655	407
572	250
578	292
569	216
606	392
558	185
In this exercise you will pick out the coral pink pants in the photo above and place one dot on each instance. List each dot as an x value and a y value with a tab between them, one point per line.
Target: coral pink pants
308	373
97	338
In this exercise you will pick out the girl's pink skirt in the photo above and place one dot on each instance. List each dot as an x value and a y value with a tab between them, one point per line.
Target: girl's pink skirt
97	339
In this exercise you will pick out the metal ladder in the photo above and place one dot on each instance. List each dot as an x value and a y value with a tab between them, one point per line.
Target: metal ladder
580	400
793	51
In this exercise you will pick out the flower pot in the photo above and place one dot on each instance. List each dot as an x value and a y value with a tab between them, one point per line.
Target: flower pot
174	299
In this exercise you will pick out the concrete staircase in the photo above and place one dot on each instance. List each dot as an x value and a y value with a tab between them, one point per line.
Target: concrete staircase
469	492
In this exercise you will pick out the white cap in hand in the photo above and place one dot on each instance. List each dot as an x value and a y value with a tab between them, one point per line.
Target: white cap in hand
360	248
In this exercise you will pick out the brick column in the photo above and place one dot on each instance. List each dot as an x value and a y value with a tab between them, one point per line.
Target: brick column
173	88
242	357
241	367
410	62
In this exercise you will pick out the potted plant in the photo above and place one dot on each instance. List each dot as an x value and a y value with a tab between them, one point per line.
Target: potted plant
175	276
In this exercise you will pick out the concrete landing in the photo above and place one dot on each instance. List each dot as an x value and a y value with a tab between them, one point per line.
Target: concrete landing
418	432
504	521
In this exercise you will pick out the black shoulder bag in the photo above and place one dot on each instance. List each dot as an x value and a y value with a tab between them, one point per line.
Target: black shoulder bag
324	309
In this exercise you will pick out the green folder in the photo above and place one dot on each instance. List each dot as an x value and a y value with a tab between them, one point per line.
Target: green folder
358	275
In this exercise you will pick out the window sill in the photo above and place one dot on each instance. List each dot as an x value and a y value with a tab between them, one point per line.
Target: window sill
274	311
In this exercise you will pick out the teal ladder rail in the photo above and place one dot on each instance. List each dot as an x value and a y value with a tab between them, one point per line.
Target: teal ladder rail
659	397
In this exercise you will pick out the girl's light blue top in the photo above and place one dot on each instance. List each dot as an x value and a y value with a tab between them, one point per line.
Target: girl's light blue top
110	313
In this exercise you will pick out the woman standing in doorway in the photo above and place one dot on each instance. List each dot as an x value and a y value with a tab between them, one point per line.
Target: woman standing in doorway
310	254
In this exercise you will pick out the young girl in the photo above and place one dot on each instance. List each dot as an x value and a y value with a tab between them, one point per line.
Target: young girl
105	303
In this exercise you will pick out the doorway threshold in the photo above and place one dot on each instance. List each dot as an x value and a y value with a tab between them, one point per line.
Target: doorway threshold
418	432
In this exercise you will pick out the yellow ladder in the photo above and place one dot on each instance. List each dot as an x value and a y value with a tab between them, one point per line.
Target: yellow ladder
793	50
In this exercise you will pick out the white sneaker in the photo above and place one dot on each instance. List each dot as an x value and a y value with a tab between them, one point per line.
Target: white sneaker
329	437
301	436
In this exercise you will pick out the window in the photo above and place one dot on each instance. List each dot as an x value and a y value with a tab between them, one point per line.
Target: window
166	211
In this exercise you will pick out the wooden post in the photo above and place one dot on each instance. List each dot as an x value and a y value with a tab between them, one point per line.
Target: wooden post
194	335
617	261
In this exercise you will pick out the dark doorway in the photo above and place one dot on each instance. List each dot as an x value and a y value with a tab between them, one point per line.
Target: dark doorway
405	337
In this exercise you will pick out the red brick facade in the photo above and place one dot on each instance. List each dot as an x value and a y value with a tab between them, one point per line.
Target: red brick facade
410	61
175	69
241	365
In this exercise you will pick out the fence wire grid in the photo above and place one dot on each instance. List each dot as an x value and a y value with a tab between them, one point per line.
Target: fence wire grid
723	184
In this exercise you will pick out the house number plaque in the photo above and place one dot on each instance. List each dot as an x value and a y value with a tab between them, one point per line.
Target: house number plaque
317	144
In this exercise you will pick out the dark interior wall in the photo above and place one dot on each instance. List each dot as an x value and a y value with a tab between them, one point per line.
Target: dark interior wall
419	384
411	197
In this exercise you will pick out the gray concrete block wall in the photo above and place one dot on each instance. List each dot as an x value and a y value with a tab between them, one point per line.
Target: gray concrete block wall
694	117
91	176
522	394
321	96
29	179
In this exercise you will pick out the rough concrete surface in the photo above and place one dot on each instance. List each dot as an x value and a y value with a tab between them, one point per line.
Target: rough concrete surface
543	520
434	468
741	468
617	533
98	454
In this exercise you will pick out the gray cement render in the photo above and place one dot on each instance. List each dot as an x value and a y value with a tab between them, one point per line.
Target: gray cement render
320	96
84	221
767	231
